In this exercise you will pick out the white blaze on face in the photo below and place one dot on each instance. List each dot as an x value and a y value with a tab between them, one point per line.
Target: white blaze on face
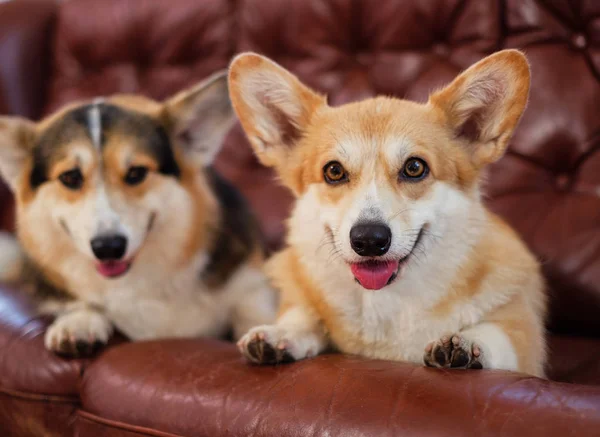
94	120
105	218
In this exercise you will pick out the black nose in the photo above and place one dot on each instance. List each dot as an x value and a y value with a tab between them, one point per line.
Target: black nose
109	247
370	239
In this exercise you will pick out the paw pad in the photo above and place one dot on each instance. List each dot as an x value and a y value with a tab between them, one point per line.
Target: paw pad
262	352
453	352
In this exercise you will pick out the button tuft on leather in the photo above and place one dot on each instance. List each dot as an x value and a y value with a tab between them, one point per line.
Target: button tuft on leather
441	49
579	41
563	182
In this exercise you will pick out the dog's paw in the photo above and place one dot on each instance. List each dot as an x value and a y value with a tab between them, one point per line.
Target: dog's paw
270	344
78	334
453	351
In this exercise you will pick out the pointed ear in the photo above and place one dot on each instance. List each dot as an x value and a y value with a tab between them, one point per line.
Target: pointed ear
483	105
274	108
16	138
200	118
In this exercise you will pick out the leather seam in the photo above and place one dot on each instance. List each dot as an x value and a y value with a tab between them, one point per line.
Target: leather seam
40	397
141	430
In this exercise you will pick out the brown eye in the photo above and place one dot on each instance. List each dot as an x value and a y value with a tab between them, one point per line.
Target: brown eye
72	179
136	175
334	173
415	169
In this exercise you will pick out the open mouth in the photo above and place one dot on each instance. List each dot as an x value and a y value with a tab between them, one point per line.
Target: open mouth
113	269
374	274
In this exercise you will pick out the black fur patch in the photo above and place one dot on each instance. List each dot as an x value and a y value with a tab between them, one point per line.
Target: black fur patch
52	141
40	287
237	238
151	135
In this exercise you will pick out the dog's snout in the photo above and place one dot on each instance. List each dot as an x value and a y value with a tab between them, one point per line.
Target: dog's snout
109	247
370	239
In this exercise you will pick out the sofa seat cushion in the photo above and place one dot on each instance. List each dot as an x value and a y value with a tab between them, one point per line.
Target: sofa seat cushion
204	388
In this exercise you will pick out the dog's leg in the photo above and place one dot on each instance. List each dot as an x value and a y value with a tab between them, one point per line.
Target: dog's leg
296	335
78	331
256	307
12	259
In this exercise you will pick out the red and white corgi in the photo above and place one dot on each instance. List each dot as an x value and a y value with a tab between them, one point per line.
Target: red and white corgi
391	253
122	222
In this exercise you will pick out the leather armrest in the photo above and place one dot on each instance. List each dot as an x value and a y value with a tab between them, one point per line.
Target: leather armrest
202	387
26	366
25	37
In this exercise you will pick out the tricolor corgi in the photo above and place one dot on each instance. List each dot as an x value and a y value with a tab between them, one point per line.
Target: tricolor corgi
391	253
122	222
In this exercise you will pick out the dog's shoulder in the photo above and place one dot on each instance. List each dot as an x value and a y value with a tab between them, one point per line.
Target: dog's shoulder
44	289
238	238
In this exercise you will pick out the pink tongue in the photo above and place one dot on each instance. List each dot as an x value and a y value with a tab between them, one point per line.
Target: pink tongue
374	275
111	269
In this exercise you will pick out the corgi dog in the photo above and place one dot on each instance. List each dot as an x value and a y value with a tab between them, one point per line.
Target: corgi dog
390	252
123	223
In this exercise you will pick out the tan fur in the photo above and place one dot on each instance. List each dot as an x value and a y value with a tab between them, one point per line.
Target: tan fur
206	213
472	279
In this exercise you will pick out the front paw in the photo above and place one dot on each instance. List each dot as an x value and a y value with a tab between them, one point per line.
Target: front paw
78	334
453	351
270	344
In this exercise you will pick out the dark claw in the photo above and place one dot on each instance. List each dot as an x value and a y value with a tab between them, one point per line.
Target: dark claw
460	358
79	349
447	354
441	356
264	353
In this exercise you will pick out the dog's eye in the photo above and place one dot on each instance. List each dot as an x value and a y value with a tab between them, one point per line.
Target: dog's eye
334	173
415	169
136	175
72	179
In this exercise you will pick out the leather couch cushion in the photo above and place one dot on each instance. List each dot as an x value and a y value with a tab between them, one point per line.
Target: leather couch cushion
36	415
152	47
24	69
355	49
548	185
25	365
38	390
25	56
204	388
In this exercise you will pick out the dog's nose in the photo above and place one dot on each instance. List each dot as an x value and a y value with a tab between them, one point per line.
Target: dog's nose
109	247
370	239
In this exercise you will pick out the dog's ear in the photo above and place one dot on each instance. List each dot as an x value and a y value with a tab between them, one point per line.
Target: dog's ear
483	105
200	117
16	137
274	108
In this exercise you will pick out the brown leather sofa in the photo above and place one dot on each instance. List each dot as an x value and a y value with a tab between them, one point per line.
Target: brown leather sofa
548	187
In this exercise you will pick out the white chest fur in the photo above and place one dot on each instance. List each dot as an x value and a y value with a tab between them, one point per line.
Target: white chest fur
154	302
158	307
396	322
387	326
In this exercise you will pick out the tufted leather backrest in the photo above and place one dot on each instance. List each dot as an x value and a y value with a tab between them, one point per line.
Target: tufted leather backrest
548	185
